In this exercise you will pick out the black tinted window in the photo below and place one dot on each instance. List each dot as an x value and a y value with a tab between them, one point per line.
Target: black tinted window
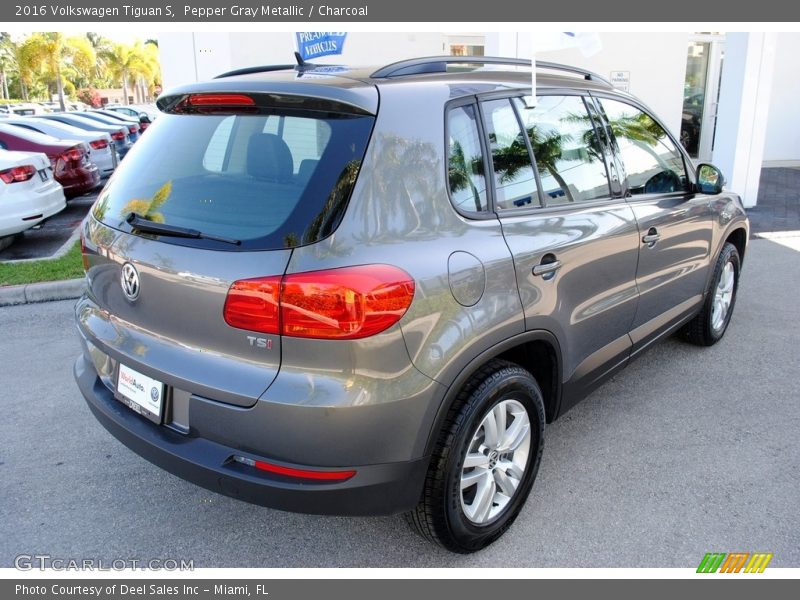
270	180
568	153
652	161
465	160
514	180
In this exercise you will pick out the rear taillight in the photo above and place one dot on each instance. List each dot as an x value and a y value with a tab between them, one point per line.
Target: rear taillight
98	144
18	174
254	304
72	155
118	135
133	128
346	304
143	126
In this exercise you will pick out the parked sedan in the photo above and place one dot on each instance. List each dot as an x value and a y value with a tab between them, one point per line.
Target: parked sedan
68	158
29	193
135	110
142	121
118	133
102	150
131	126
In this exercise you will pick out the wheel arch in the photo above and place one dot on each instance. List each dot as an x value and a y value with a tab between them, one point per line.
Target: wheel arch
738	237
536	351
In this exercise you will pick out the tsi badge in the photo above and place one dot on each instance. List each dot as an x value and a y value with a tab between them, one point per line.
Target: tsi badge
129	279
258	342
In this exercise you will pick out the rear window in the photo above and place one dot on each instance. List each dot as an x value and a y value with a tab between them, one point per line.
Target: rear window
275	180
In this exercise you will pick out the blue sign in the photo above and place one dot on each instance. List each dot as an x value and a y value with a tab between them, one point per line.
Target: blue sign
313	44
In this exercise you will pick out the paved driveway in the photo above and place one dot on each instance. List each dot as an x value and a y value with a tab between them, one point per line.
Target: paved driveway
47	238
687	451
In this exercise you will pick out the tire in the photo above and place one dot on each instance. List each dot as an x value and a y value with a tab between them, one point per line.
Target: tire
460	521
708	327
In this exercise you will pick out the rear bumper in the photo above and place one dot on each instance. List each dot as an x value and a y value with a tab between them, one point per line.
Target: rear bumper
31	209
379	489
80	181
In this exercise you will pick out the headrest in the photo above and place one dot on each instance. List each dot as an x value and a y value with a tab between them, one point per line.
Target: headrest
268	157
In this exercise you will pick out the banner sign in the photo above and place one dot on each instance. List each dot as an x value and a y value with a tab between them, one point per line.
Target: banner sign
314	44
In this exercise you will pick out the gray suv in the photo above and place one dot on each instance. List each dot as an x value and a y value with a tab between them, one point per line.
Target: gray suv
363	292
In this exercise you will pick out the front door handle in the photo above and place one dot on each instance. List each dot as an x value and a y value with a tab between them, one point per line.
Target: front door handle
652	237
547	267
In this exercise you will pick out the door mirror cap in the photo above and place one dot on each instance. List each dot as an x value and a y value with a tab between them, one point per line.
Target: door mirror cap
709	179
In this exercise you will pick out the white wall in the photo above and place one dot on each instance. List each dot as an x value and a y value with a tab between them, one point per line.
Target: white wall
782	146
188	57
176	52
656	61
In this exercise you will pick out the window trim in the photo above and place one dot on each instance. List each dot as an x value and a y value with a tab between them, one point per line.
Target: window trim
582	94
690	175
468	214
493	97
598	124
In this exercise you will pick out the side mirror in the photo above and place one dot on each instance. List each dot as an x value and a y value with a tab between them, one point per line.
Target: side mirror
709	179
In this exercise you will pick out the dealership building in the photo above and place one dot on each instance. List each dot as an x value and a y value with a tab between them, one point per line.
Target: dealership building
730	98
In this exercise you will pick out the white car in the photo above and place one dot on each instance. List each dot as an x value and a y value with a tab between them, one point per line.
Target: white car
102	150
28	192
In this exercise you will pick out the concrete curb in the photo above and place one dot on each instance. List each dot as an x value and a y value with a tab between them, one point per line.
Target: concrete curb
42	292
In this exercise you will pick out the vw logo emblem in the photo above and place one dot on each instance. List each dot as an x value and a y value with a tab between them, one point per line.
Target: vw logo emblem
129	279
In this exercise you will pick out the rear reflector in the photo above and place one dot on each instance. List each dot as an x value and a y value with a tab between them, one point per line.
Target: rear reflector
18	174
347	303
295	473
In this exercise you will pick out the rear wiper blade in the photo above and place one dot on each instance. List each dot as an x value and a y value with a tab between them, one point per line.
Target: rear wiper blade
140	223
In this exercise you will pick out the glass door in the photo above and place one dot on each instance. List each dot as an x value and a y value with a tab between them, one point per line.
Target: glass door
701	94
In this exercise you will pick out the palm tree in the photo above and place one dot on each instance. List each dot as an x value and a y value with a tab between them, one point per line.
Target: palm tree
125	61
52	53
6	61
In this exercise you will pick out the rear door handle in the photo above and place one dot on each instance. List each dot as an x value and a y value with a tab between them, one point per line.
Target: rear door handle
652	237
547	269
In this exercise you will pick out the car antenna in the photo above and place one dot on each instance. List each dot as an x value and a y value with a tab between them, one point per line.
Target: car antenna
300	62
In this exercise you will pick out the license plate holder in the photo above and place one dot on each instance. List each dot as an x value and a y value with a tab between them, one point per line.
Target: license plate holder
140	393
43	174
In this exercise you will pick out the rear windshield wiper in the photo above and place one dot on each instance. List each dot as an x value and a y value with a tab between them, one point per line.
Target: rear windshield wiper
146	226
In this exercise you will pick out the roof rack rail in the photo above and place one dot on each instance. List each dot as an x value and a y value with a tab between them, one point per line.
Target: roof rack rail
588	75
438	64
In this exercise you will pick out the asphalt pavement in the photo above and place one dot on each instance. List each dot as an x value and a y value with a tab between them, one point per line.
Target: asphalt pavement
45	239
687	451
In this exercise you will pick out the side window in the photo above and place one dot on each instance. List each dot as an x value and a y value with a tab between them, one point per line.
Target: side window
514	180
652	161
568	154
465	160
